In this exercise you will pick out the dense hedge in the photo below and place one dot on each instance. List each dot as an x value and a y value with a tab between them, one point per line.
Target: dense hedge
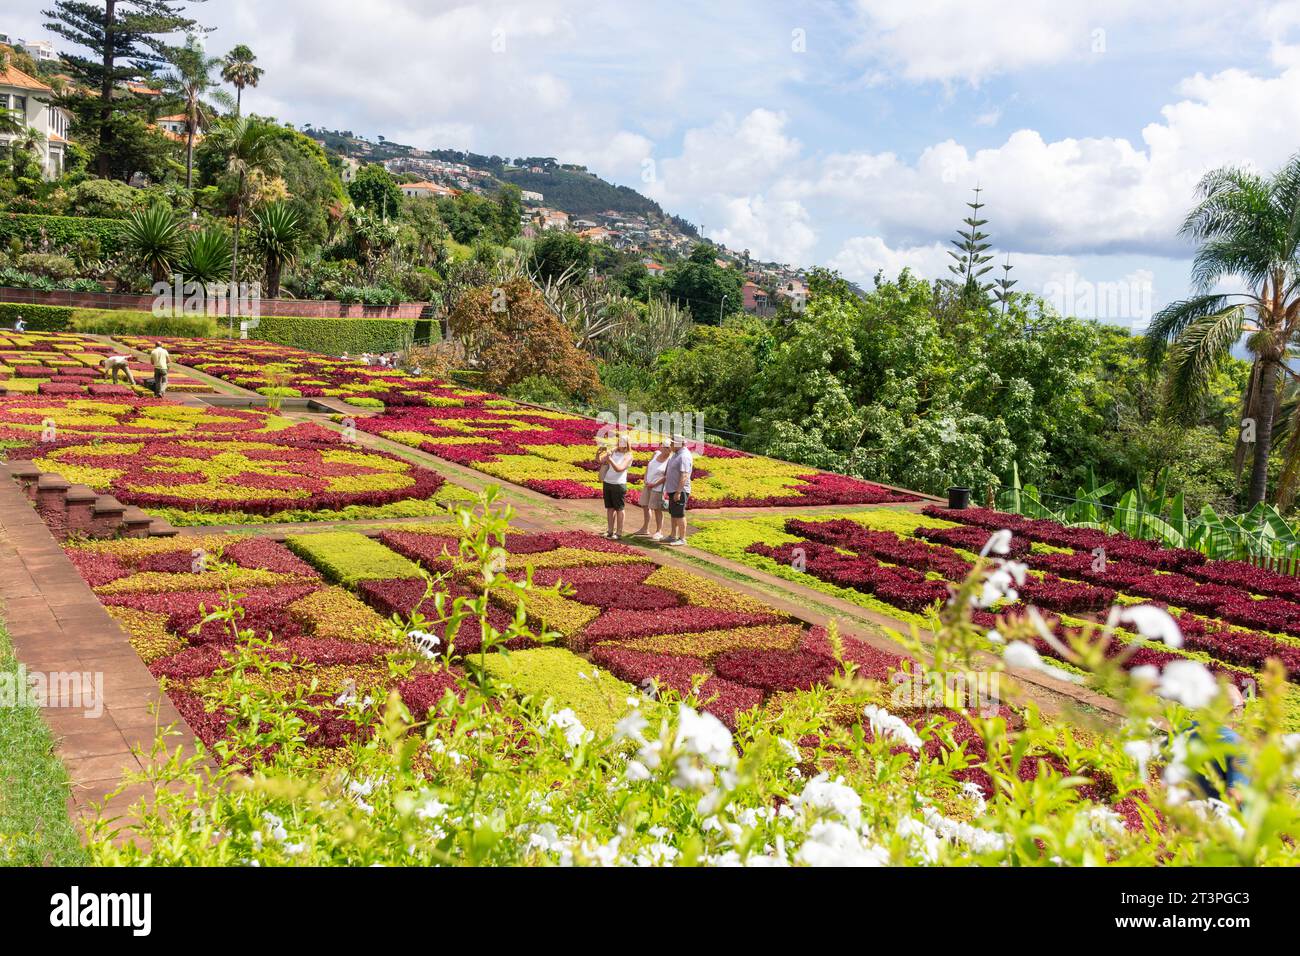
40	318
336	336
58	318
61	231
325	336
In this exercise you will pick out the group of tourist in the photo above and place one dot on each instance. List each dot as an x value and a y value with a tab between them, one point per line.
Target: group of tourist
665	488
376	359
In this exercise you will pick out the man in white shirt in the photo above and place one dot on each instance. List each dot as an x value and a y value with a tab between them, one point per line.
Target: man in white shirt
160	359
20	325
677	486
114	364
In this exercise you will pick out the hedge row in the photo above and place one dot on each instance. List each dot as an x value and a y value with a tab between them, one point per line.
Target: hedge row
58	318
325	336
61	231
336	336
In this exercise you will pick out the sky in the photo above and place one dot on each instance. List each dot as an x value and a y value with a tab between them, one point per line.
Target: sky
844	134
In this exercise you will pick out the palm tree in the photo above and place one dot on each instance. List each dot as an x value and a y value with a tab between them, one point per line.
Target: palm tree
277	232
25	149
207	256
249	146
189	81
154	235
1248	227
239	70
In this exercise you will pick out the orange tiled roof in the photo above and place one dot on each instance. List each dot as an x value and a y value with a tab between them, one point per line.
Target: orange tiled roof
12	76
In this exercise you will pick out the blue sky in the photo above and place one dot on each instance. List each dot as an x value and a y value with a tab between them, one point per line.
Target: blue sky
840	133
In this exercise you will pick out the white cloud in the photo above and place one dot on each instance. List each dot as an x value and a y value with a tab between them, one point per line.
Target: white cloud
970	41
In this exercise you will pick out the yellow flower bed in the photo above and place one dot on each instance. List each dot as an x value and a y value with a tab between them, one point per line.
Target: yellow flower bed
709	644
337	614
148	633
703	592
163	582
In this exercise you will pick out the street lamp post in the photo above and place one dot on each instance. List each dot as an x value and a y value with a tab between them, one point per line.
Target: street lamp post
722	308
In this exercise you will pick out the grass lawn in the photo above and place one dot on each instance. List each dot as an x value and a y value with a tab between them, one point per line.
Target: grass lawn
34	825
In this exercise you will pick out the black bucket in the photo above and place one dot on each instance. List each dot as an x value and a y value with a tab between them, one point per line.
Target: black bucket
958	498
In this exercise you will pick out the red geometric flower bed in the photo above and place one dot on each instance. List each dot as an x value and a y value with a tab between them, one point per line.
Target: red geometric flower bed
520	444
1226	622
305	467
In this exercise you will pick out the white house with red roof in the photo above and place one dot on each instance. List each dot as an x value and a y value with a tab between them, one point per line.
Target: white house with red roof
28	100
427	190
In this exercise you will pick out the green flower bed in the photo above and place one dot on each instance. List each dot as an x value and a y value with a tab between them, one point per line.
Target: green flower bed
347	557
598	699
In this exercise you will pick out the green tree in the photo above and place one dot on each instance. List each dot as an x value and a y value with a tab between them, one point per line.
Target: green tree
239	68
971	255
207	256
375	189
249	146
708	290
189	80
277	233
155	236
1247	226
557	254
122	39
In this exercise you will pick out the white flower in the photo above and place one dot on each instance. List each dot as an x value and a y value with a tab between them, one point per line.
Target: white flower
1188	682
546	838
636	771
691	776
790	749
425	643
1145	674
885	724
1001	583
834	844
1153	623
1219	811
1020	654
995	638
631	727
828	796
705	736
999	543
431	808
276	827
923	838
569	724
1141	753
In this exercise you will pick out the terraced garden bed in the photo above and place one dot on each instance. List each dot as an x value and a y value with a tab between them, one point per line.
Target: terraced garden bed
337	609
550	452
65	364
208	466
903	564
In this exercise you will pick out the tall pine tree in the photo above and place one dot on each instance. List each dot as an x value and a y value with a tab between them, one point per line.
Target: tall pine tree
122	40
972	255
